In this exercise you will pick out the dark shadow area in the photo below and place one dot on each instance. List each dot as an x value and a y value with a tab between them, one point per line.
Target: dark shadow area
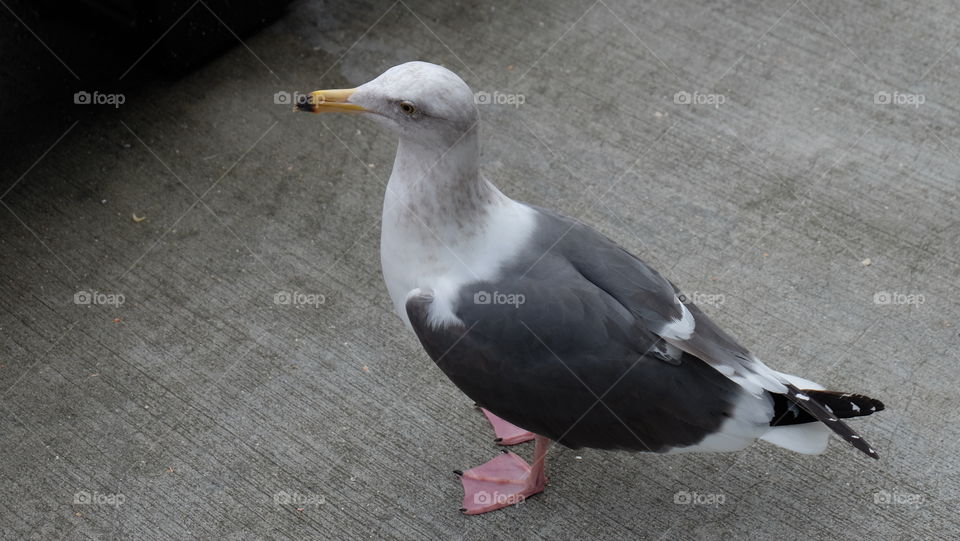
58	57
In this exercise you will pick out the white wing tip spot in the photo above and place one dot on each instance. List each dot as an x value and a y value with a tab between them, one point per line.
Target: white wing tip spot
682	327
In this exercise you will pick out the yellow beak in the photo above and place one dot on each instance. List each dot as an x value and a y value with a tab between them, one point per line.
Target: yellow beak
329	101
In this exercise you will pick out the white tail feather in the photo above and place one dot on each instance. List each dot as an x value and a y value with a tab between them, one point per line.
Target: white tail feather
807	438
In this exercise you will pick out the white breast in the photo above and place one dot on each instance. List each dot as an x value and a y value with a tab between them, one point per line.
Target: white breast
442	259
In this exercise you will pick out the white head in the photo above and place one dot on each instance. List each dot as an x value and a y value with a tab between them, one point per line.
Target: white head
425	103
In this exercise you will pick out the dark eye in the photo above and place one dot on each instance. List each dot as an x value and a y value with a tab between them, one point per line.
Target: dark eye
407	107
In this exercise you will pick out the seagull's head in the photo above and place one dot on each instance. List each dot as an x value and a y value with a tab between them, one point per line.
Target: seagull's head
425	103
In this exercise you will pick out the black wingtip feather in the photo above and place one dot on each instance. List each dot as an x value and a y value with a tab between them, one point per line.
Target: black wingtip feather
811	402
846	405
841	405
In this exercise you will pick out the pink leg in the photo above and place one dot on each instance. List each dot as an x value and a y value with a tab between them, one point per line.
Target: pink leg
507	434
505	480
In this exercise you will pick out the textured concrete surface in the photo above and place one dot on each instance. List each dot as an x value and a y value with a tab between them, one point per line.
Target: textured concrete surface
199	407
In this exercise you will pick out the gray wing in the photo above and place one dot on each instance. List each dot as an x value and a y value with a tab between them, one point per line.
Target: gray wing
644	292
571	364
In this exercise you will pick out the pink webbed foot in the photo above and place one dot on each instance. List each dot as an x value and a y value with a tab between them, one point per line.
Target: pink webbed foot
507	434
503	481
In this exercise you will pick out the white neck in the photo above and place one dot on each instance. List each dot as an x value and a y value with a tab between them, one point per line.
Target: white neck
437	190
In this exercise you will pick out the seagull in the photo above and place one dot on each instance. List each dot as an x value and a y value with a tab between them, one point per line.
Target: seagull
557	332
